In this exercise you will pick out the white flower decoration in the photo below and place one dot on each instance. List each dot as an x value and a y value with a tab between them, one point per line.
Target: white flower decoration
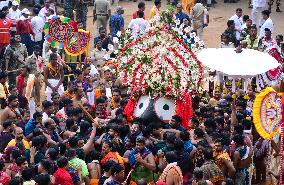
115	40
118	34
110	47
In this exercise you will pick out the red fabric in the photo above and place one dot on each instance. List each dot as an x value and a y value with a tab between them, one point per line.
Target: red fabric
184	108
4	178
24	27
134	15
20	84
274	74
160	182
129	109
5	25
62	177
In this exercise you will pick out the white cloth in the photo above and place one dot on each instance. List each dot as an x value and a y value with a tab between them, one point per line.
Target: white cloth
259	3
138	25
53	83
238	25
94	71
44	116
32	106
37	27
3	4
257	7
14	14
267	24
91	97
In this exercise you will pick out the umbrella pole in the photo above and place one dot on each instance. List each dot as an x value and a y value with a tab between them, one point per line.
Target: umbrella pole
77	36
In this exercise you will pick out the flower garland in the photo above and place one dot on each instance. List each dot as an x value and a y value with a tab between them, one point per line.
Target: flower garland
161	60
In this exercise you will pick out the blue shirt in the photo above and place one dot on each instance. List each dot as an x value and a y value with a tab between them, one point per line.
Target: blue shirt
116	22
180	16
30	126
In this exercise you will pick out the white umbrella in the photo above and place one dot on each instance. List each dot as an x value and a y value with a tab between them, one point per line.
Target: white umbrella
247	63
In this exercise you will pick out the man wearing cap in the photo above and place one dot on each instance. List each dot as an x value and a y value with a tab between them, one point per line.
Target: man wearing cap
180	15
14	15
15	55
101	14
116	21
267	23
24	29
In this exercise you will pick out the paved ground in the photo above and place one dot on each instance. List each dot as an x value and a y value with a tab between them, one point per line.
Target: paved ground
218	18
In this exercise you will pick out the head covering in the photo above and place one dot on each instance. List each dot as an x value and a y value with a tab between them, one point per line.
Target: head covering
26	11
15	3
119	8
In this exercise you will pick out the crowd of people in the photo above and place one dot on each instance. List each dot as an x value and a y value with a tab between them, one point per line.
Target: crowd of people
78	133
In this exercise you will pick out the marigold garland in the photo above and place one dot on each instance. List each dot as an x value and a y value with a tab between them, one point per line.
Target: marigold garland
267	113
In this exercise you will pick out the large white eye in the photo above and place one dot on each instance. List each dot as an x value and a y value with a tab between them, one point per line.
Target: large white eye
141	106
165	108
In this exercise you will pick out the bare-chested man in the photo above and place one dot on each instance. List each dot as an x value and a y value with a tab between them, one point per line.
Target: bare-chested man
29	87
53	77
79	98
142	161
172	174
11	111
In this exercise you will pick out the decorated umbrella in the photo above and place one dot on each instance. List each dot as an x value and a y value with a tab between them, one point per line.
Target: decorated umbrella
83	39
246	62
268	118
60	31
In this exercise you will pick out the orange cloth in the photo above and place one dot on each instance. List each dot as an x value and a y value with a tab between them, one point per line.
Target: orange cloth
112	155
98	93
5	25
187	5
134	183
94	181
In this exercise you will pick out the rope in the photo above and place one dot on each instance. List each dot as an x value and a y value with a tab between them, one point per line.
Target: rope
281	155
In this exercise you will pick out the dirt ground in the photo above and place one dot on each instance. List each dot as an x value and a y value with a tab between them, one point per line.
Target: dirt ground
218	18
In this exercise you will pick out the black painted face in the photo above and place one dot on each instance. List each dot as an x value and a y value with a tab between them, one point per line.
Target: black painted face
155	110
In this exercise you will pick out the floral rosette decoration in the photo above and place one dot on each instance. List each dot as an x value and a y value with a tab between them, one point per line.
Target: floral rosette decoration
160	61
60	31
80	45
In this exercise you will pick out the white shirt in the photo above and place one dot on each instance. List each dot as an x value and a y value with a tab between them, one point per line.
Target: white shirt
137	25
238	25
3	4
259	3
267	24
14	14
37	27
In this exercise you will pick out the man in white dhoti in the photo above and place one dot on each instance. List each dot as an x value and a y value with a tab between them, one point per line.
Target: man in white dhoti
53	77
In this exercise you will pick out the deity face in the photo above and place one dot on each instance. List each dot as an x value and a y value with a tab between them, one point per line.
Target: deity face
158	109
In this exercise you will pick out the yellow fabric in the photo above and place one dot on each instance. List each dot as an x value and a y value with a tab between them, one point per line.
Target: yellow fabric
2	90
187	5
153	12
13	143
